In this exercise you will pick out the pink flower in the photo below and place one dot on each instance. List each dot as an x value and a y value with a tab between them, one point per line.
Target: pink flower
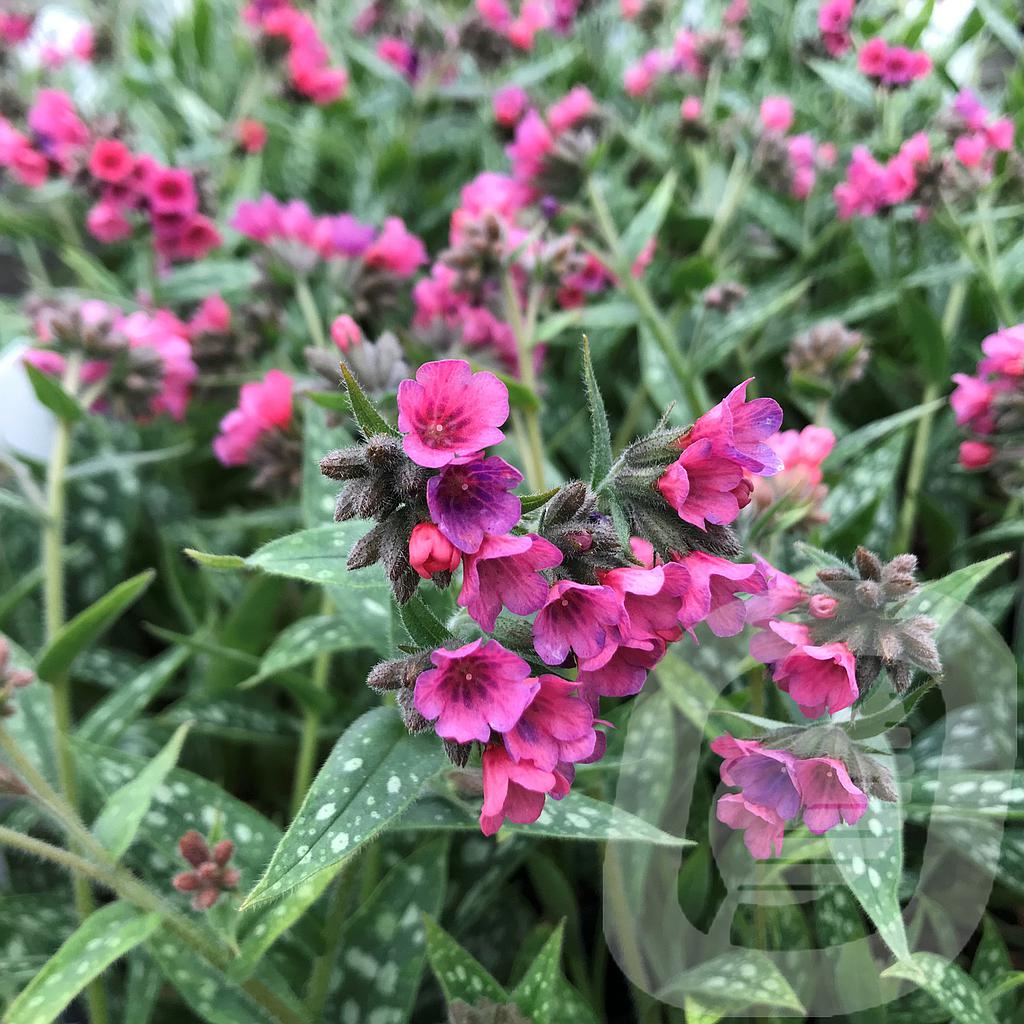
1004	352
631	9
505	572
395	249
659	601
509	104
556	727
576	105
970	149
724	581
532	143
345	332
28	165
578	618
251	135
763	829
781	594
262	406
765	776
107	223
623	675
834	15
639	77
495	13
704	487
173	190
828	794
83	45
976	454
802	453
471	499
430	551
449	414
872	57
777	113
111	160
1000	134
516	791
821	606
972	402
198	237
212	317
691	108
399	54
474	689
58	130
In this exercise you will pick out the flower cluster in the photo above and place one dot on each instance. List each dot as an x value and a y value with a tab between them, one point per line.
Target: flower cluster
892	66
990	404
605	610
210	875
871	187
834	17
799	484
825	358
979	135
138	364
788	162
310	72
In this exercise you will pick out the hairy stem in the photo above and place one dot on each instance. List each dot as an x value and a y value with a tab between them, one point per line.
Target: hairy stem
524	330
307	305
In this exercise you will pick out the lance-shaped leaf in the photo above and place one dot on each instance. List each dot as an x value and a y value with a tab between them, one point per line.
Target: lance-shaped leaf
117	823
537	992
954	990
372	775
458	972
735	980
422	625
369	419
88	626
941	598
105	936
52	395
601	435
645	226
318	556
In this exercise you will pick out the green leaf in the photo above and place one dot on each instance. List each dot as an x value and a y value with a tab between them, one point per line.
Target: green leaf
532	502
941	598
647	223
845	80
318	556
88	626
384	940
1001	26
925	331
736	980
536	993
601	437
53	396
112	715
105	936
374	772
947	984
318	491
223	563
869	856
194	281
868	436
369	419
458	973
116	825
423	626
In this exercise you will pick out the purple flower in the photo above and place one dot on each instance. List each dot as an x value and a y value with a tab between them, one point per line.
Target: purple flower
470	499
348	236
738	429
762	828
765	776
474	689
505	571
579	618
557	726
449	414
828	794
623	675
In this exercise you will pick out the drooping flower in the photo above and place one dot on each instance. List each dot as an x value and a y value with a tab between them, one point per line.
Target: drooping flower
516	791
396	249
765	776
557	726
473	689
449	414
470	499
724	582
578	618
430	551
828	794
263	406
509	103
505	571
623	674
800	482
704	486
763	829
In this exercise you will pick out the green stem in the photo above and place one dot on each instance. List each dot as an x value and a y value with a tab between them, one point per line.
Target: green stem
686	377
923	431
305	761
320	979
307	304
735	186
524	332
53	612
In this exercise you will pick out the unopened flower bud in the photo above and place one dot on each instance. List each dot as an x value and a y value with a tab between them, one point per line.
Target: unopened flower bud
430	551
828	356
193	848
211	874
821	606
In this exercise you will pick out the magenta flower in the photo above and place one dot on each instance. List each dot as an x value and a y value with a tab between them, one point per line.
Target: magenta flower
1004	352
430	551
474	689
622	675
765	776
263	405
782	594
470	499
828	794
704	486
396	249
659	601
819	679
516	791
578	618
763	829
557	726
505	572
449	414
724	581
777	113
972	402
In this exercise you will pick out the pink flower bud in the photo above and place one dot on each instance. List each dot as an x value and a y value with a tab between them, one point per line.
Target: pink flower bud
777	113
975	454
345	332
251	135
821	606
222	852
430	551
193	848
187	881
691	108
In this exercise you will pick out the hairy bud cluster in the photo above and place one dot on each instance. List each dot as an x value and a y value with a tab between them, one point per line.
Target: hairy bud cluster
564	167
383	484
724	297
477	257
828	356
211	874
94	338
863	608
379	365
585	536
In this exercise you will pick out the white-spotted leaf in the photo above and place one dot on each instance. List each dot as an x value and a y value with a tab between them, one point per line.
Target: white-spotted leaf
735	980
458	972
947	984
318	556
